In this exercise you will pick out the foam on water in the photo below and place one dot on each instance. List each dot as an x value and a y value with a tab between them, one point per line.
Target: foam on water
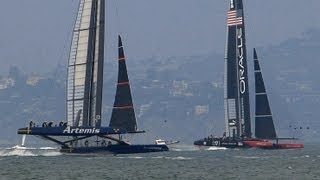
52	153
16	152
29	151
130	157
137	157
216	148
18	147
195	148
182	147
180	158
48	148
157	157
172	158
300	157
248	157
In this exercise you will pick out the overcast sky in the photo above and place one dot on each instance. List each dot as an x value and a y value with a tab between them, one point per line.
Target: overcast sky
37	32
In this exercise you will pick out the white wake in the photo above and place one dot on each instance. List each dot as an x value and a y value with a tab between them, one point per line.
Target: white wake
213	148
29	151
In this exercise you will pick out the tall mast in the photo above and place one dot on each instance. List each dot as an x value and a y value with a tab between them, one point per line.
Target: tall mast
264	126
85	68
236	93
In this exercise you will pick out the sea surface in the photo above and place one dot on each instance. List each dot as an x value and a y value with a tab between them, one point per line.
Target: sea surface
182	162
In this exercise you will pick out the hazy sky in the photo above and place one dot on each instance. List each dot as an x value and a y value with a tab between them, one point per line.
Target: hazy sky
35	32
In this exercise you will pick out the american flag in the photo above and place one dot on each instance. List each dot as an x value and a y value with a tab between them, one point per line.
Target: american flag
234	17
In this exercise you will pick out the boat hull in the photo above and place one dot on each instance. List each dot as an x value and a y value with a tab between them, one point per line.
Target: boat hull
221	142
117	149
284	146
246	143
258	143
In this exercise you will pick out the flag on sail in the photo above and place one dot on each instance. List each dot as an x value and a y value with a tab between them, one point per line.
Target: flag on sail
235	17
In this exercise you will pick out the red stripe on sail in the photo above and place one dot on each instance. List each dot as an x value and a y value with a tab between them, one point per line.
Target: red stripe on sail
123	83
122	58
122	107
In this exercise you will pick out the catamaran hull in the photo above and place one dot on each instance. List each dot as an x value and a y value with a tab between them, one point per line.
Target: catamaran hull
284	146
251	143
258	143
242	143
117	149
264	144
219	142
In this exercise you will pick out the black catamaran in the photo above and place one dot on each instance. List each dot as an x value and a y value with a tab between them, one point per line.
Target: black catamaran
83	133
236	94
236	91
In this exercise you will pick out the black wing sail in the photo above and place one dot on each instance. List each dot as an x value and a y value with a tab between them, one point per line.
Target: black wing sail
236	95
97	76
264	126
123	116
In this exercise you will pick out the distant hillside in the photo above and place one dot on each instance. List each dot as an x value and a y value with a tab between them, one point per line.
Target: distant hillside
291	71
179	97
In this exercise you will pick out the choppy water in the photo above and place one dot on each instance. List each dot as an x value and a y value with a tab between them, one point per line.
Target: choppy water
184	162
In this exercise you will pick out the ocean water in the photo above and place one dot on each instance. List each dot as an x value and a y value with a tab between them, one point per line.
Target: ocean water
183	162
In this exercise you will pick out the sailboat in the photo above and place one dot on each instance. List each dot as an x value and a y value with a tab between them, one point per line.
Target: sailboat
236	94
264	125
82	132
236	91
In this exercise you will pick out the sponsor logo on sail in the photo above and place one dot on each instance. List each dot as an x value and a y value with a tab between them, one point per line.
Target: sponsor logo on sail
242	80
70	130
